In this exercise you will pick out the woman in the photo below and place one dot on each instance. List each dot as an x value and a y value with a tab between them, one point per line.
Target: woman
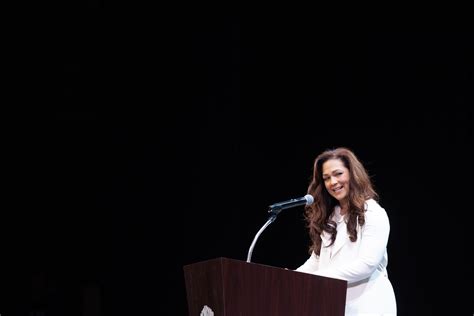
349	232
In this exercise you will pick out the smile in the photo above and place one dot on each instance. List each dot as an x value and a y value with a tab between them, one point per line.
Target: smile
337	189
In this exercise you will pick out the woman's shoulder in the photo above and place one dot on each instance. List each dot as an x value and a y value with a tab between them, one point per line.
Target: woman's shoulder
375	217
372	204
373	208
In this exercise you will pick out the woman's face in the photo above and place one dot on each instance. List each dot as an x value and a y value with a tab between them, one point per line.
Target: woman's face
336	179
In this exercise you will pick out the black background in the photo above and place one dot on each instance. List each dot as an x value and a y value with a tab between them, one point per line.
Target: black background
162	145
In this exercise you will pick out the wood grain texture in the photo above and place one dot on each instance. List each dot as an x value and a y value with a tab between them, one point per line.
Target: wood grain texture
236	288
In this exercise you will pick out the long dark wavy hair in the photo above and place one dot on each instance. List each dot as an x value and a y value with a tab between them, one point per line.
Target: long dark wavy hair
318	214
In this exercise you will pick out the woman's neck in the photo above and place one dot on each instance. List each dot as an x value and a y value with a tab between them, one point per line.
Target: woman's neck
344	207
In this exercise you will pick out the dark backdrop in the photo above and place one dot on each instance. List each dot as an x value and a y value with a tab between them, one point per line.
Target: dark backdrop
164	147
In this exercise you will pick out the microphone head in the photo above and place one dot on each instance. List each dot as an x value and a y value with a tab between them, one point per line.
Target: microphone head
309	199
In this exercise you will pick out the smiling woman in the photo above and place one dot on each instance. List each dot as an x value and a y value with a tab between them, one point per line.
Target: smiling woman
336	180
349	231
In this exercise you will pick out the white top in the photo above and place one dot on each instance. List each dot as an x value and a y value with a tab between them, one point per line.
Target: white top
361	263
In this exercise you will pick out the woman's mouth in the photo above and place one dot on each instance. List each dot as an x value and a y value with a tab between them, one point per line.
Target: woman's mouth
337	189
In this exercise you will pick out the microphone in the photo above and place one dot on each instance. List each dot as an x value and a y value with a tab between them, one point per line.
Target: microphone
276	208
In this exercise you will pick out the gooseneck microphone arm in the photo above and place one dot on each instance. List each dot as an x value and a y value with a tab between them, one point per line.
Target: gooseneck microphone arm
270	220
274	210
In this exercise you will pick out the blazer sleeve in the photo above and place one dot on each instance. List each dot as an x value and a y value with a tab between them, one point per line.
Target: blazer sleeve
311	265
373	246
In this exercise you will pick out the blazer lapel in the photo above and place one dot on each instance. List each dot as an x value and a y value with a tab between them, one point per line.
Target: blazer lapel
324	255
327	253
341	239
325	239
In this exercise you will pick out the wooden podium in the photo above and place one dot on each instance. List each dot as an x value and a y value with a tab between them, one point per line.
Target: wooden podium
230	287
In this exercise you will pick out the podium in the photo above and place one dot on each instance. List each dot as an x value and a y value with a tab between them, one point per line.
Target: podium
229	287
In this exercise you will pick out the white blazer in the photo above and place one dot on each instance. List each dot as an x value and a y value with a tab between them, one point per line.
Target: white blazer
361	263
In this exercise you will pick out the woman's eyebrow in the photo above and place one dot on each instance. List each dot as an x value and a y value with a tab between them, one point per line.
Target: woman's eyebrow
335	170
